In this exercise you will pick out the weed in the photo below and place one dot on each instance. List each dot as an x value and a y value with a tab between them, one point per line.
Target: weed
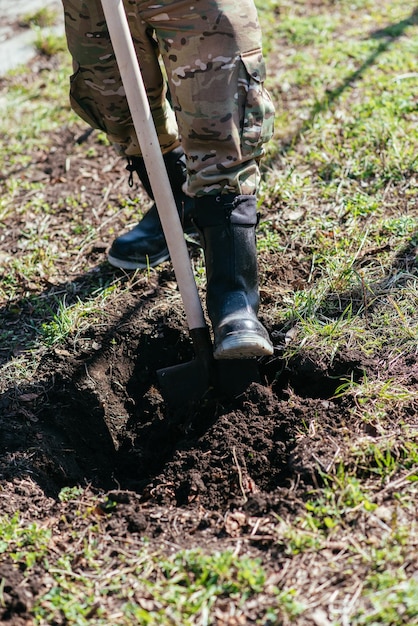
71	321
70	493
154	589
25	544
42	18
391	599
49	44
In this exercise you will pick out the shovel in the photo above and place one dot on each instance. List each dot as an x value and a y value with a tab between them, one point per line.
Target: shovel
191	381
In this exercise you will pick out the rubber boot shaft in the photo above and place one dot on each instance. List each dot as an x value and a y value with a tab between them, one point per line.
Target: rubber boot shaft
227	224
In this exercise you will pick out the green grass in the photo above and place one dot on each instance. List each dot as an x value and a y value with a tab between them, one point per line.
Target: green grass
25	544
43	22
148	587
49	44
345	158
154	589
42	18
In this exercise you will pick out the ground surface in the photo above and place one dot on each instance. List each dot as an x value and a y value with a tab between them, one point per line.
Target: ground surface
17	40
212	473
208	474
107	389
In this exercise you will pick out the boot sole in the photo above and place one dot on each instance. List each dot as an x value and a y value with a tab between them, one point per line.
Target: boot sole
164	255
126	264
243	347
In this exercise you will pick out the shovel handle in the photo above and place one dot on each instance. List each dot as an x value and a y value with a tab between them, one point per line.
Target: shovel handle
143	122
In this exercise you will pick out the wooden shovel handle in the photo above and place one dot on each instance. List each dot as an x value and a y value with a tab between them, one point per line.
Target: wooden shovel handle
136	95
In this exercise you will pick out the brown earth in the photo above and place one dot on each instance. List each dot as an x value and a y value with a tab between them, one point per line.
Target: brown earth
93	414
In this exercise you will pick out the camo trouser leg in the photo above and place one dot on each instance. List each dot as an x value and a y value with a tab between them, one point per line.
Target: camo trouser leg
96	90
215	71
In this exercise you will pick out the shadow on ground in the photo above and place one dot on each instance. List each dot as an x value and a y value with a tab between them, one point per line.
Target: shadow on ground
99	418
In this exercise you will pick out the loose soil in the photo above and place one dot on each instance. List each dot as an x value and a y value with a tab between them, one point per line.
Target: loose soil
93	415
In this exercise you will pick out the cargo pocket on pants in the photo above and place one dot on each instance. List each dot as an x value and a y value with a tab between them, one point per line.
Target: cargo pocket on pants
257	122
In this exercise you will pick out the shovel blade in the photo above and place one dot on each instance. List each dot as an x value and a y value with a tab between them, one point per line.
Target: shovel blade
204	377
193	381
185	383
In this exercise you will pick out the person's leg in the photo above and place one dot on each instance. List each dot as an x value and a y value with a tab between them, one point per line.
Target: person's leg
145	245
216	70
96	89
97	95
227	225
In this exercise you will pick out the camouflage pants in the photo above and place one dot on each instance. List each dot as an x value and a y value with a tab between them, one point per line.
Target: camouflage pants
208	54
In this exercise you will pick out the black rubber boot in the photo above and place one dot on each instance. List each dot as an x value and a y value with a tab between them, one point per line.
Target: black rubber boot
226	224
145	246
